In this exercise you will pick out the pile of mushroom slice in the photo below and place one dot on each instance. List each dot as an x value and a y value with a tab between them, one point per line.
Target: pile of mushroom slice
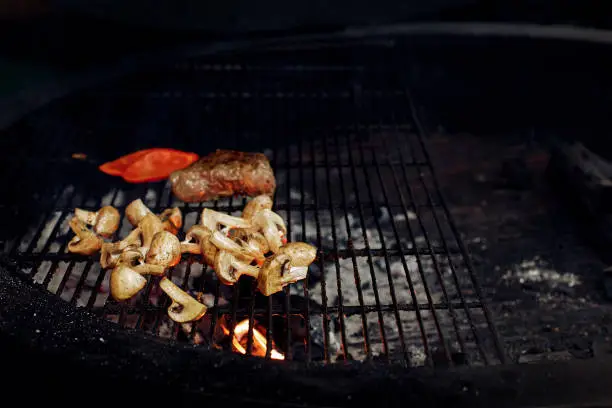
149	249
253	245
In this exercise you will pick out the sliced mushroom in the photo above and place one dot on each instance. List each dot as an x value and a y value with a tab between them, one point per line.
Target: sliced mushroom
184	308
229	269
108	258
172	220
213	219
125	282
190	248
148	269
105	221
132	257
272	226
165	250
85	242
288	266
256	205
255	240
301	253
201	235
109	255
150	225
136	211
245	253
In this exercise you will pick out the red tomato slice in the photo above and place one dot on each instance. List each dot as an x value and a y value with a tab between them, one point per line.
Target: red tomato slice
119	166
158	165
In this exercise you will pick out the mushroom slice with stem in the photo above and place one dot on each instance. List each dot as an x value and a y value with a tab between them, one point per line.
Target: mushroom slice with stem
256	205
272	226
193	239
184	308
150	225
85	242
105	221
133	258
109	255
202	245
125	282
213	219
253	239
229	269
289	265
245	253
165	250
172	220
136	211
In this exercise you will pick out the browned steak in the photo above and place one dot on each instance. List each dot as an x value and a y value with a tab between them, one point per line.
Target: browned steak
224	173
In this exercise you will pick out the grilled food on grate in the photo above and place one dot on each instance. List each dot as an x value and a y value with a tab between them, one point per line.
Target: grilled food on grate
105	221
224	173
254	244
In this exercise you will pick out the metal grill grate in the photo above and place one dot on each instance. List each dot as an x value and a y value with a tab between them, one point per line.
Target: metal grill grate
392	281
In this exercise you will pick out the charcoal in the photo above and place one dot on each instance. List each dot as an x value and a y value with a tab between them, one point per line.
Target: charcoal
515	175
607	285
601	347
317	352
439	358
540	357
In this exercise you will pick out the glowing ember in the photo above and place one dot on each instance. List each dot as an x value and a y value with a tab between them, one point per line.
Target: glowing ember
239	341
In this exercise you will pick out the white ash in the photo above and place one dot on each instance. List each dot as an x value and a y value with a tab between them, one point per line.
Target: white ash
166	327
317	336
296	194
538	271
399	217
383	215
417	355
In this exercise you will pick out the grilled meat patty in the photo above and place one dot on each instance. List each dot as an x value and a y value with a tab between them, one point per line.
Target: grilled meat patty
224	173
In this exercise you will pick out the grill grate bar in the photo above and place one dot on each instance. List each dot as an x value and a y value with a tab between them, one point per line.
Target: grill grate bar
405	268
369	254
336	261
349	310
41	228
434	259
152	282
326	255
279	207
287	289
306	311
364	319
438	269
80	284
234	307
66	239
465	255
68	273
251	315
321	265
358	108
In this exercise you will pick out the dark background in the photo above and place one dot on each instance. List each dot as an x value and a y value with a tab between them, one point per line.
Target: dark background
475	83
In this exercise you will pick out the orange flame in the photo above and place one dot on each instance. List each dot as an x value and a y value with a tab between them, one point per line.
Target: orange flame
241	331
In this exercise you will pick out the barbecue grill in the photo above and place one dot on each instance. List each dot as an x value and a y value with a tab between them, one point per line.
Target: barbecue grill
392	304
